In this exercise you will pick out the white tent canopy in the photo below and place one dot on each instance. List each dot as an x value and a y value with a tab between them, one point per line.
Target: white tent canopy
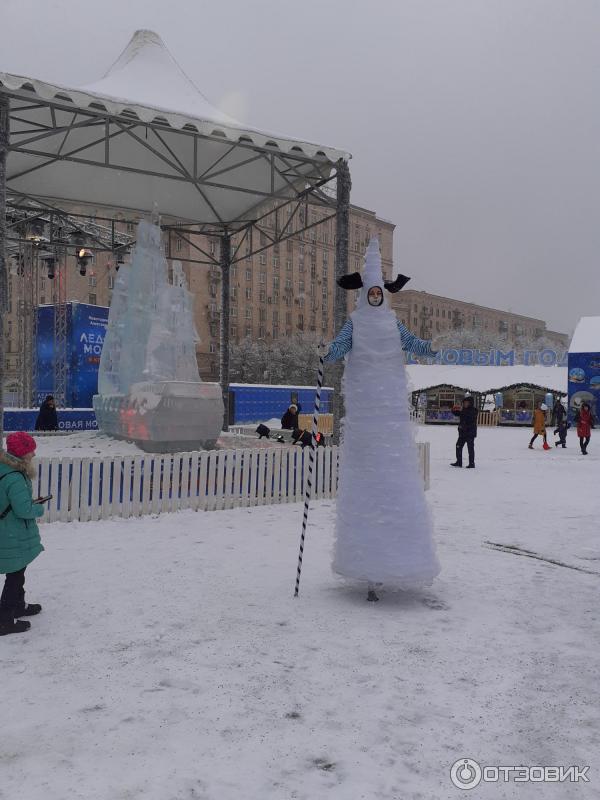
586	338
486	379
145	134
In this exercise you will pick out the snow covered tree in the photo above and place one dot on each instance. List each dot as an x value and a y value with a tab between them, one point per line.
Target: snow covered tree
292	361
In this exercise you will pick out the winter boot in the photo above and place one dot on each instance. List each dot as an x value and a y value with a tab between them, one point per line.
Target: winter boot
470	466
456	464
10	625
531	447
28	610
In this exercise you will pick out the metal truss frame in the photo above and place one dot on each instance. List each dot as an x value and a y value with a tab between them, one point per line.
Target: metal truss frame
305	181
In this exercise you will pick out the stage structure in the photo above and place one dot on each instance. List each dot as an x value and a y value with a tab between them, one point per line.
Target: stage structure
31	257
145	135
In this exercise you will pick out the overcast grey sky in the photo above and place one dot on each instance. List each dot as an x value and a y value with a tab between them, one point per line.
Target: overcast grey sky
474	124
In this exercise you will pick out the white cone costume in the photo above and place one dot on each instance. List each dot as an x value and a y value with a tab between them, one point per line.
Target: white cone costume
383	526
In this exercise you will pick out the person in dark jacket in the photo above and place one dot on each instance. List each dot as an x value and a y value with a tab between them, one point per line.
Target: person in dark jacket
467	431
47	418
558	413
19	536
289	421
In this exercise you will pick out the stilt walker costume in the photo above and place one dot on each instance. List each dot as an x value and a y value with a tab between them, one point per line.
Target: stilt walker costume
383	527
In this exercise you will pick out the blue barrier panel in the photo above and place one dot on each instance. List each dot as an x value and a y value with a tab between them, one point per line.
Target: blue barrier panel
69	419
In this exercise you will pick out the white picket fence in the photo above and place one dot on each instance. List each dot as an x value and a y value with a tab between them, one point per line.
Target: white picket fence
89	489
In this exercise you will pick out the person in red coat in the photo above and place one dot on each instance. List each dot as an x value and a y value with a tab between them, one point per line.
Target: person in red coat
585	422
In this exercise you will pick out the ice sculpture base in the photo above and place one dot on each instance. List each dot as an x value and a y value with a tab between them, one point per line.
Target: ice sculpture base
166	417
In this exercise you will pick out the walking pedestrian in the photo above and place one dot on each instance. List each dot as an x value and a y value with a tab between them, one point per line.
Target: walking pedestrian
539	426
467	431
585	422
561	430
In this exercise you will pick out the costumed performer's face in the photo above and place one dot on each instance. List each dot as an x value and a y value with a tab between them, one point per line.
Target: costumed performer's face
375	296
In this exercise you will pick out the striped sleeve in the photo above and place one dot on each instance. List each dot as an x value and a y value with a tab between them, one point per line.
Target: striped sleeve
341	345
412	343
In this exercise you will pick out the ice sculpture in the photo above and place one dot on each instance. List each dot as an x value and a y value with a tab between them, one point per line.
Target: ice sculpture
149	390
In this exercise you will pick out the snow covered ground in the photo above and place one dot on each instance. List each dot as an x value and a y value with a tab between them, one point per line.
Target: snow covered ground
93	444
171	661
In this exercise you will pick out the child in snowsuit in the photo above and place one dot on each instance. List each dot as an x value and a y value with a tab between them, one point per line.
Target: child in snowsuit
539	425
561	429
19	536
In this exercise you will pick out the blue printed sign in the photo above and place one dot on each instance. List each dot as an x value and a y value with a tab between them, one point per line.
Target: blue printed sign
584	382
86	329
80	419
495	358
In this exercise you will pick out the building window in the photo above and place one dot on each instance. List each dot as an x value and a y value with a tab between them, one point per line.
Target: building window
233	293
42	300
300	285
248	330
261	332
275	262
248	313
275	282
288	265
213	289
248	274
262	296
262	259
213	330
179	244
92	299
262	314
92	281
275	332
248	294
233	312
263	277
212	347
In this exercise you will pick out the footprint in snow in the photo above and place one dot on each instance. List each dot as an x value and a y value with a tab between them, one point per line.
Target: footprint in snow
324	764
435	604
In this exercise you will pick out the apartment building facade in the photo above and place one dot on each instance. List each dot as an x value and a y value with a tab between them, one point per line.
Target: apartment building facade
428	315
287	289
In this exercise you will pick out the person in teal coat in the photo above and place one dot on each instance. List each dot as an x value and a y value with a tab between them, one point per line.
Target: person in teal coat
19	535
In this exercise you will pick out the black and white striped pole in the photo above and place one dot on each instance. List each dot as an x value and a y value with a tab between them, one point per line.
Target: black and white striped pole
311	462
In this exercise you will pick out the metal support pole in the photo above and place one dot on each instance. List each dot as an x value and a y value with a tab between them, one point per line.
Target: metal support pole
4	141
340	301
224	355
